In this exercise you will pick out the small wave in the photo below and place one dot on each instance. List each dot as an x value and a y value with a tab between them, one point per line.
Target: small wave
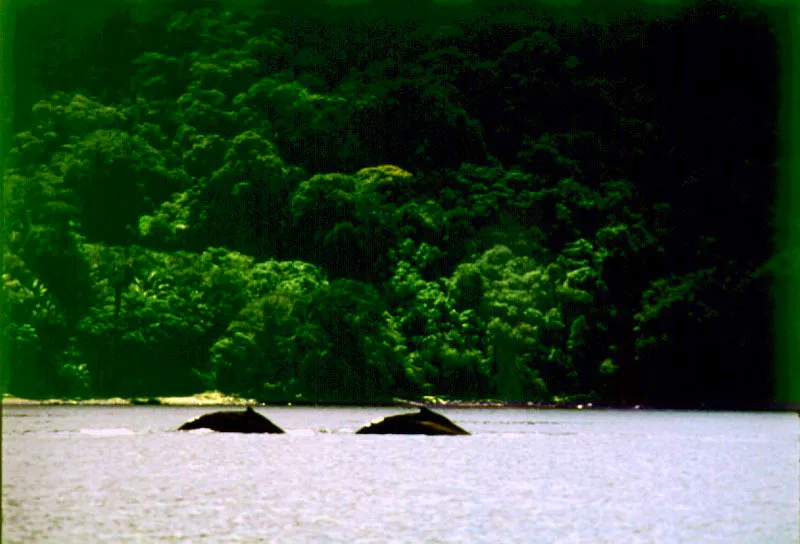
201	430
338	431
122	431
301	432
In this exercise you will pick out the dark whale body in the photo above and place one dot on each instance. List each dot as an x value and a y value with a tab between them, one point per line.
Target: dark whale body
423	422
248	421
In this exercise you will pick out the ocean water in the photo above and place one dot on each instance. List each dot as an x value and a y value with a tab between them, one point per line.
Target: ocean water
123	474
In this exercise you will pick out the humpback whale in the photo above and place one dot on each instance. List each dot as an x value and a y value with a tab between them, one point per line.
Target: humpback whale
423	422
248	421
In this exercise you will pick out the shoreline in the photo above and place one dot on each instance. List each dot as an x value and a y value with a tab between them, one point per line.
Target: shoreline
200	399
216	399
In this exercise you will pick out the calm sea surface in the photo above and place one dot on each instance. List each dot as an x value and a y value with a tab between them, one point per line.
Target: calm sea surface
123	474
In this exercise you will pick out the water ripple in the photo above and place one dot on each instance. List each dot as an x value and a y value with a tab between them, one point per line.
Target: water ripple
583	477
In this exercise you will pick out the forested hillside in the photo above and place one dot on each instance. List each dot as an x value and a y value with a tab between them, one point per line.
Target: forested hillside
326	203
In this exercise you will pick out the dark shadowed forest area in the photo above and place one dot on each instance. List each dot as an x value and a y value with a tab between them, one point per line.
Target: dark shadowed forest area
312	202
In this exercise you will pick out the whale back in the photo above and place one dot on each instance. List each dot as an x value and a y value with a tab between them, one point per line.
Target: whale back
248	421
424	422
438	419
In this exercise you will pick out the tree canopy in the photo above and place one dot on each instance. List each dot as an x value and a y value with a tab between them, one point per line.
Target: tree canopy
354	203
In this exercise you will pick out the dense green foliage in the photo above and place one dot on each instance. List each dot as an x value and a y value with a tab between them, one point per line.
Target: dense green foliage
467	201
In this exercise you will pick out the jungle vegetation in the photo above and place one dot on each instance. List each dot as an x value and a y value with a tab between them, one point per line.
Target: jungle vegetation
312	202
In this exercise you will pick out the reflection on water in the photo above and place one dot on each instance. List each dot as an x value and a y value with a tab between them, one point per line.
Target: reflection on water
123	474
